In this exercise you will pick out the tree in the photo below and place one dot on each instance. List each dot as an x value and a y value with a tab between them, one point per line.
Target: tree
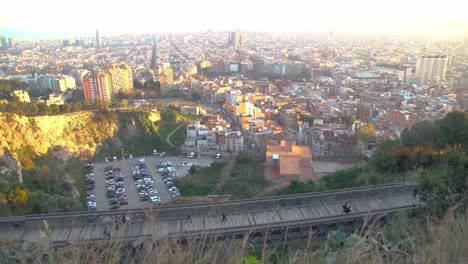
386	156
452	130
124	103
348	120
422	133
366	133
17	196
445	188
307	118
196	96
192	169
137	84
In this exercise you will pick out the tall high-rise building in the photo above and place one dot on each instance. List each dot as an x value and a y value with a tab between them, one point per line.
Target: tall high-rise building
3	42
98	39
11	41
235	40
166	78
431	68
96	86
153	55
121	78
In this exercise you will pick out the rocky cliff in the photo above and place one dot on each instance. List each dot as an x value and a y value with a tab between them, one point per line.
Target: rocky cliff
63	135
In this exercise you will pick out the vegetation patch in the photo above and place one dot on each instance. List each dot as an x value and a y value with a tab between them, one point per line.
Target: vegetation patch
233	176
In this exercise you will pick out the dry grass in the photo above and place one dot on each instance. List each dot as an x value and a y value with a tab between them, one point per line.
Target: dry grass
445	242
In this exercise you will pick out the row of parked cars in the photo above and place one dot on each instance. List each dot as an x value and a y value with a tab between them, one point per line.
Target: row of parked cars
90	198
115	187
168	172
144	183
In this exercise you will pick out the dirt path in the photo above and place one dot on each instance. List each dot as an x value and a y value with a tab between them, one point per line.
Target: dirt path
168	136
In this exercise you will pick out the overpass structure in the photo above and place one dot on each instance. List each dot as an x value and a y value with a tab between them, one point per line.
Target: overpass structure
265	220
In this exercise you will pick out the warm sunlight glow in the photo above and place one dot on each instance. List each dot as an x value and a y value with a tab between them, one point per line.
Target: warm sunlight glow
138	16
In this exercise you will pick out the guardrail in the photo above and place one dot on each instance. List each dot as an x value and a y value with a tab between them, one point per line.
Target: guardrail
165	212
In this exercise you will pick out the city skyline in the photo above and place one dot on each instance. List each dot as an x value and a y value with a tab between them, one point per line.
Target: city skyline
41	19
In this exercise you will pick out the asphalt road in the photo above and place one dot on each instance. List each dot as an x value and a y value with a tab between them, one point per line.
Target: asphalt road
102	202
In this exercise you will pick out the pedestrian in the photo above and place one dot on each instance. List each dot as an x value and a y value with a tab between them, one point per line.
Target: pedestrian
106	232
124	219
346	208
415	193
116	224
189	219
224	217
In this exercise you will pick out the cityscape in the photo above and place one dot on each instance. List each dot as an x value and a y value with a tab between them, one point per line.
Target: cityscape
271	129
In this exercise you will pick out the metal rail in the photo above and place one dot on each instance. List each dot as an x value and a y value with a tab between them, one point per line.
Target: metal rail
198	209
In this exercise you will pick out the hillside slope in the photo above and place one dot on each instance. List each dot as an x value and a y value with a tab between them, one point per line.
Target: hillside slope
62	136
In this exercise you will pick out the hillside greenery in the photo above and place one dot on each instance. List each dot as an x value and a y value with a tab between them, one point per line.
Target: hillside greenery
240	177
49	186
434	154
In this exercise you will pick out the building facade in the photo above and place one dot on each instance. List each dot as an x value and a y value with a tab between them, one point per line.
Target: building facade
233	141
431	68
96	86
166	78
235	40
121	78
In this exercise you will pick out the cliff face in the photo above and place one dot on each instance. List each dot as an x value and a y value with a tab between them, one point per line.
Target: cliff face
9	166
64	135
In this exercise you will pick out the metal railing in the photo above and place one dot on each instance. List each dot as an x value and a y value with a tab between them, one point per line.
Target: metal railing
236	206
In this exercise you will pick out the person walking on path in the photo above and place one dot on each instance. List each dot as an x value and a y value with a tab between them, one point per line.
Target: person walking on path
189	219
415	193
346	208
106	232
224	217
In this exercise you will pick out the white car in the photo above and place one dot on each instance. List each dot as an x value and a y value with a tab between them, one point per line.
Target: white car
155	199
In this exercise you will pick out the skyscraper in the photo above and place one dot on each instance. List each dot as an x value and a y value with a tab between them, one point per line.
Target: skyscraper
98	39
3	42
11	41
121	78
153	55
166	78
96	86
235	40
431	68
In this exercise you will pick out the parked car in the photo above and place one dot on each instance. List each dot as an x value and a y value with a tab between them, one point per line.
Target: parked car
113	201
113	207
155	199
123	202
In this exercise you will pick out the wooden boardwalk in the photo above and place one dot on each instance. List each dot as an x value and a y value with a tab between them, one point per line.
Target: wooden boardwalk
209	224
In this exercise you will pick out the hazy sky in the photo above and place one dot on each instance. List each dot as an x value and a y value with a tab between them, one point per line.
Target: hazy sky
53	18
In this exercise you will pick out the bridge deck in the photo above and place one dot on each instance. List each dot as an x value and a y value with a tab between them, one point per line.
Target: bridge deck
211	223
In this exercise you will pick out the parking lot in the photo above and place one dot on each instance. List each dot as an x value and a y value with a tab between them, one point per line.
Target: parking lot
131	192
